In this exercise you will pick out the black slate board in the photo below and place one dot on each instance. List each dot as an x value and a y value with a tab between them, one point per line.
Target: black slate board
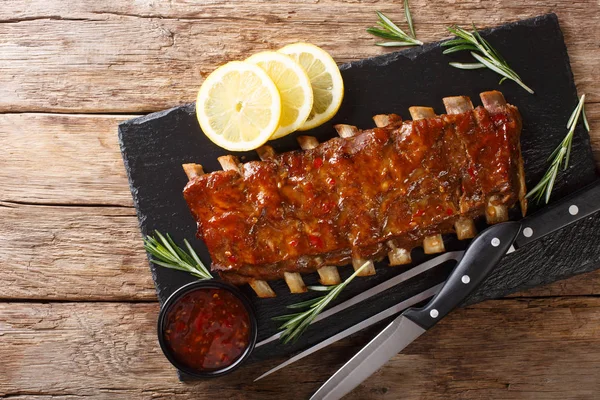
155	146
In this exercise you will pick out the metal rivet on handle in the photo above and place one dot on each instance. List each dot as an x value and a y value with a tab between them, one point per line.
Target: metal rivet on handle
434	313
528	232
573	210
465	279
495	242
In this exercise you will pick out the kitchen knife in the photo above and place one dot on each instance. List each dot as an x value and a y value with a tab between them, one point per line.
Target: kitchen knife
579	205
482	255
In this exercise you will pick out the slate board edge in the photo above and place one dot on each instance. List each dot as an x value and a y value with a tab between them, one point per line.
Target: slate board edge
379	60
478	297
132	188
413	52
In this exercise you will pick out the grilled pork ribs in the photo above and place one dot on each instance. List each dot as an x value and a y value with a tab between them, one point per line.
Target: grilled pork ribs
361	196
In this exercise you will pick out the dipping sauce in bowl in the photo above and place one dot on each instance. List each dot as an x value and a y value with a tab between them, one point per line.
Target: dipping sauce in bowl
207	328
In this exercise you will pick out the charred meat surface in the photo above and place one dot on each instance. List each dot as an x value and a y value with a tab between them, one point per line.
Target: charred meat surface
349	198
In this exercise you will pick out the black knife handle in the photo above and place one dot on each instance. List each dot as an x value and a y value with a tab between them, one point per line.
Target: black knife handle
560	214
482	255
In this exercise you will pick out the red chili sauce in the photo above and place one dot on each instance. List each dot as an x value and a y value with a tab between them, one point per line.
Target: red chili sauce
207	329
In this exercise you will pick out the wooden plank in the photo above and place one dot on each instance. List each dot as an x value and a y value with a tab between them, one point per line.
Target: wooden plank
96	253
593	114
509	349
62	159
75	253
111	56
517	356
582	285
78	56
75	159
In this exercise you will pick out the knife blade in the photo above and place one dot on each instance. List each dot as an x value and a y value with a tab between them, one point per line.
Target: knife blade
579	205
480	258
389	342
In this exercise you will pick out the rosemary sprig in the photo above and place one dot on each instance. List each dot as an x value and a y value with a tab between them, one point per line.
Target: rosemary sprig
483	52
297	323
388	30
167	254
560	156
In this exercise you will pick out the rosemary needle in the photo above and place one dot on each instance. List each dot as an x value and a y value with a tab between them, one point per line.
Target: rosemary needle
483	52
409	19
396	36
560	156
167	254
297	323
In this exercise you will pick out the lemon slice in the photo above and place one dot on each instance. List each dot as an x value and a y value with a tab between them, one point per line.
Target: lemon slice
325	79
294	88
238	106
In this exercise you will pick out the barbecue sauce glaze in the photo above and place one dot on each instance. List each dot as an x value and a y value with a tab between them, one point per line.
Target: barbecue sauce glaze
350	197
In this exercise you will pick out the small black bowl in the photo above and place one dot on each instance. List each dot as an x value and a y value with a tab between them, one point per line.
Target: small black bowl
206	284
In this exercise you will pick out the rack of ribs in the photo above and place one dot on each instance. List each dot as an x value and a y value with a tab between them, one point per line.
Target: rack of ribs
362	196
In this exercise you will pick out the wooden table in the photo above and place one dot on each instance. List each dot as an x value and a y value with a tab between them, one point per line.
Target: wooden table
78	308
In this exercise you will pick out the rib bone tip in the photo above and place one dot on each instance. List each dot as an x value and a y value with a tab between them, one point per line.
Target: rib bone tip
398	256
433	244
229	163
418	112
495	213
307	142
457	104
465	228
262	288
265	152
294	282
192	170
523	204
368	270
381	120
346	131
329	275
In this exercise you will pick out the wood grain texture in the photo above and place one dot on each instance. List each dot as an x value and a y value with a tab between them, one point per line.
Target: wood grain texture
81	241
70	56
593	114
72	253
62	159
503	349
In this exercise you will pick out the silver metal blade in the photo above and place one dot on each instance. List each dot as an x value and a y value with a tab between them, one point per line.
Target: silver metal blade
361	325
395	337
411	273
